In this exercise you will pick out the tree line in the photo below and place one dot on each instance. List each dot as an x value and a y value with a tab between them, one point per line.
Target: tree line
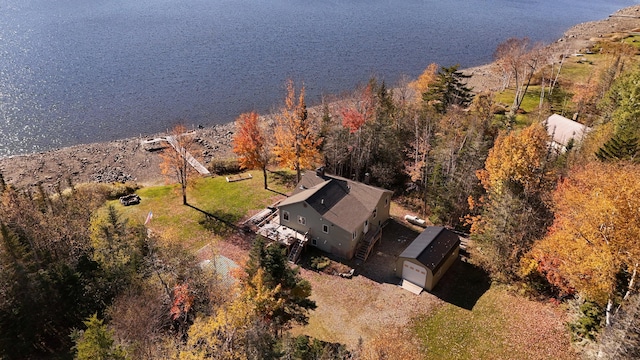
558	222
79	280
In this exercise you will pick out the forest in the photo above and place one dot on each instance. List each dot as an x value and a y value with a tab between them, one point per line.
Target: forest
80	280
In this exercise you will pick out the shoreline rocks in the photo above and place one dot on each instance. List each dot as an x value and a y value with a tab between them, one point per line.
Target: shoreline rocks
127	160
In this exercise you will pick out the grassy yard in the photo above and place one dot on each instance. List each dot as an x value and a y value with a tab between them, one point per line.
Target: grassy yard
463	319
499	326
227	201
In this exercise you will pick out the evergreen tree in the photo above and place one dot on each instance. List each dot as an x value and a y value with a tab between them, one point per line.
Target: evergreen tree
448	89
292	291
624	145
96	342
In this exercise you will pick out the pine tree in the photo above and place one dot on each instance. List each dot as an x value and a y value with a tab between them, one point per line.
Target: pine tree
624	145
96	342
292	291
448	89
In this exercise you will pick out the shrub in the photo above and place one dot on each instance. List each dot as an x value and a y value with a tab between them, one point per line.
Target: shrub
224	166
588	323
320	262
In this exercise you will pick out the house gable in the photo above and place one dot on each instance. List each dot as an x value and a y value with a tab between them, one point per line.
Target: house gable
345	203
338	212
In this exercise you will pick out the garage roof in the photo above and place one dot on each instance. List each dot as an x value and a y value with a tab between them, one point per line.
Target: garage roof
432	247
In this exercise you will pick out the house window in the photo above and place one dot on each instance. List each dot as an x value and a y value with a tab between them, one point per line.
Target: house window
355	233
386	201
314	241
325	228
375	212
302	220
285	215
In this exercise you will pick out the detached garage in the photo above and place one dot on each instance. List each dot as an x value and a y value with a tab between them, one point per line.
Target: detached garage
428	257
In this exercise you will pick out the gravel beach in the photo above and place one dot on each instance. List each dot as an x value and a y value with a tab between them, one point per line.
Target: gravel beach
128	160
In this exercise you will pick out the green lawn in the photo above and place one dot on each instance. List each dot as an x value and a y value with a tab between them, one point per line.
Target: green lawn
453	332
230	201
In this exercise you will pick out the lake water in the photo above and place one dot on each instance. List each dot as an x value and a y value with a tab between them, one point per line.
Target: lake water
80	71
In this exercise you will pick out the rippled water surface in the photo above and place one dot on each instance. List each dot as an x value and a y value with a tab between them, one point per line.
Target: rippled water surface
79	71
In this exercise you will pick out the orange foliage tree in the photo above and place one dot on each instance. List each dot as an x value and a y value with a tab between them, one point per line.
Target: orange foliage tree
515	212
424	81
595	236
296	145
250	144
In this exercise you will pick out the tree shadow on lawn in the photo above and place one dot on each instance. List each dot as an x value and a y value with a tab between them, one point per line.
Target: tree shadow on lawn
219	222
463	285
283	178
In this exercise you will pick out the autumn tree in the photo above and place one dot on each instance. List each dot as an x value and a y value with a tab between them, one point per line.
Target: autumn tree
424	81
595	238
175	162
239	329
296	145
515	211
250	144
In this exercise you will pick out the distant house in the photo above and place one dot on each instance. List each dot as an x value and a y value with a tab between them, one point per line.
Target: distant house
339	216
563	131
428	257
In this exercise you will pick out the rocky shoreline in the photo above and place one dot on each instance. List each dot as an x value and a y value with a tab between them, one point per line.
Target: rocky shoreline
127	160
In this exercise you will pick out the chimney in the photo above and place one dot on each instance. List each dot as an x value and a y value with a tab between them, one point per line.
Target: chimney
367	178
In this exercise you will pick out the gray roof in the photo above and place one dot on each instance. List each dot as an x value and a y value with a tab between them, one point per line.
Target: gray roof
432	247
343	202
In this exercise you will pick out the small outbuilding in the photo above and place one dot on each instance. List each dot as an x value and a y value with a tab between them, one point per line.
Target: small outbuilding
564	131
428	257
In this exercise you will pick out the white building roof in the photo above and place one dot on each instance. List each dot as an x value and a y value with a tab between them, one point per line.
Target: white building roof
562	130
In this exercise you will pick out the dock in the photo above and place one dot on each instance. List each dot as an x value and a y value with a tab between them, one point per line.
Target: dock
173	141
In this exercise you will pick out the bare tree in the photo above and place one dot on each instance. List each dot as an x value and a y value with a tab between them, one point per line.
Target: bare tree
519	59
177	163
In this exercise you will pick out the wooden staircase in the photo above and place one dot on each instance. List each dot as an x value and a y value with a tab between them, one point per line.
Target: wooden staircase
364	250
296	249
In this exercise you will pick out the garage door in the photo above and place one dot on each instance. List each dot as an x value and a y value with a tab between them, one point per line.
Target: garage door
414	273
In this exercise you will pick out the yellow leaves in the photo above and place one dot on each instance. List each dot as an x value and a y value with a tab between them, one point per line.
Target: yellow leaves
516	157
228	332
426	79
596	231
263	299
296	146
